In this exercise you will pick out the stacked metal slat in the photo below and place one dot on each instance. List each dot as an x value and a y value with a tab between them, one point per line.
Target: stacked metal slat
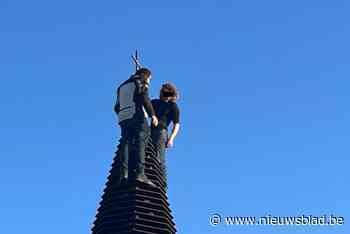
135	208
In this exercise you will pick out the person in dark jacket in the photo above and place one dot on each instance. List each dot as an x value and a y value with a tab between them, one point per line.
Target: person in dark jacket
133	107
167	111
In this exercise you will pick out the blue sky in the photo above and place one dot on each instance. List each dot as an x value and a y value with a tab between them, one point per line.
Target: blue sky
264	108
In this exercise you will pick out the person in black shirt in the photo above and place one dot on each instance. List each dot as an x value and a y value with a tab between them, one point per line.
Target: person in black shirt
133	106
167	111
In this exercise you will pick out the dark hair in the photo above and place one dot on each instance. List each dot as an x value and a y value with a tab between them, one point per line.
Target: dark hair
143	72
168	90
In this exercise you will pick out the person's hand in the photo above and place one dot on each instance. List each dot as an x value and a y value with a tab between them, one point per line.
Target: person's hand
154	121
170	143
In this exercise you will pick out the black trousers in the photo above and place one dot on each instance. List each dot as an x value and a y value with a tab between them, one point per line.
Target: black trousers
133	146
159	137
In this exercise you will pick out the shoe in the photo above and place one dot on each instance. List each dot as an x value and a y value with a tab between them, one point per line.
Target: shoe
123	173
122	181
144	179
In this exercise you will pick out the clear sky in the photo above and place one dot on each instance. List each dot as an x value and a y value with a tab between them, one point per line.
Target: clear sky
264	103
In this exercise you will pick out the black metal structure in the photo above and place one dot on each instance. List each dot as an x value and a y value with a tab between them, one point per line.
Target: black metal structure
135	207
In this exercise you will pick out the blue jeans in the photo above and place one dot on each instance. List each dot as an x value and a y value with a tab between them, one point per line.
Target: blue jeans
133	146
160	138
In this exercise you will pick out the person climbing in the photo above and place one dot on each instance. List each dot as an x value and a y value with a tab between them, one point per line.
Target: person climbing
167	111
133	107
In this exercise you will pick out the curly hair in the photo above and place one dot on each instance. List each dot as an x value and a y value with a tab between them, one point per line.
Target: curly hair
168	90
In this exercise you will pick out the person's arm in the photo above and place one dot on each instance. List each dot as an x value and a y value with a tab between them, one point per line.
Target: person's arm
144	99
117	108
175	130
117	105
176	126
146	102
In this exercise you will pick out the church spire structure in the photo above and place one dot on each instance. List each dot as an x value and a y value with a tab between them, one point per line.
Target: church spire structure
135	207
